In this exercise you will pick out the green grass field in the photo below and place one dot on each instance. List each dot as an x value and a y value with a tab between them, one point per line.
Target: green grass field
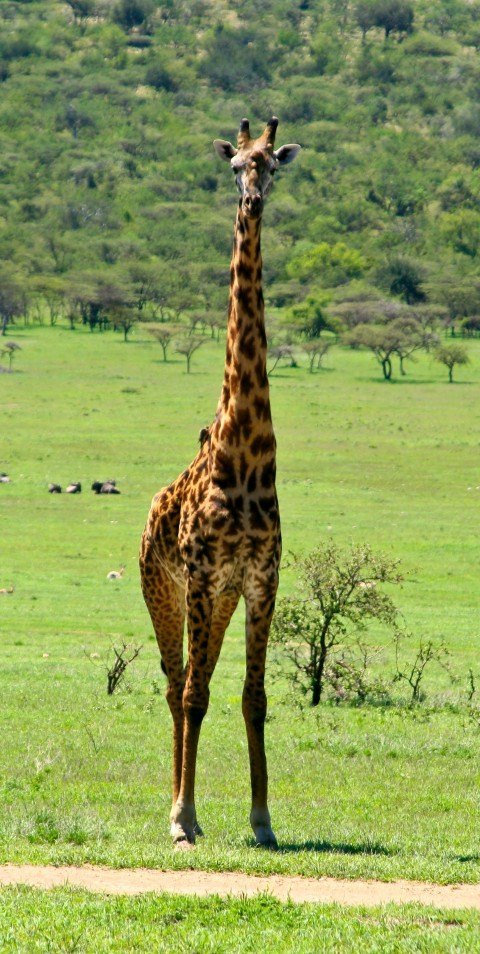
381	792
74	921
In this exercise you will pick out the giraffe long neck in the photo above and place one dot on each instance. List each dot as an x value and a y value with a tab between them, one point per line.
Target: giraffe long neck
244	408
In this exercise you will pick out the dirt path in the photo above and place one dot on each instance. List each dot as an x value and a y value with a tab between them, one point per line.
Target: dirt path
202	883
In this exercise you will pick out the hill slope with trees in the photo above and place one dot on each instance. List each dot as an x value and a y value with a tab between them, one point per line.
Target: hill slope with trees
113	204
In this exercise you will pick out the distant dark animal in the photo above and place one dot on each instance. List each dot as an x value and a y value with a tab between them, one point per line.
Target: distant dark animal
54	489
75	488
4	478
107	487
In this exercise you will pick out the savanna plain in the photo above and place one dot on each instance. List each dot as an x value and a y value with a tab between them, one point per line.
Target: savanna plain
384	790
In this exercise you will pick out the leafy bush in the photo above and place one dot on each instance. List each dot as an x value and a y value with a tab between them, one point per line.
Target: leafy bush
329	264
403	278
428	44
461	229
131	13
236	59
339	595
159	77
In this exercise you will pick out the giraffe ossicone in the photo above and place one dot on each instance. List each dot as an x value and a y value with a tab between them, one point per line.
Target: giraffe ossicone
213	535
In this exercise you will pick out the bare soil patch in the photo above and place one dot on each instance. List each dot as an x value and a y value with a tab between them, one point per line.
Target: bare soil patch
234	884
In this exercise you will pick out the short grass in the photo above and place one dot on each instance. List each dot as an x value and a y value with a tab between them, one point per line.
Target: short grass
74	921
372	791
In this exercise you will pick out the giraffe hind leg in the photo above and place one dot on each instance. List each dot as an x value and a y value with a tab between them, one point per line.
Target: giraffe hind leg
259	605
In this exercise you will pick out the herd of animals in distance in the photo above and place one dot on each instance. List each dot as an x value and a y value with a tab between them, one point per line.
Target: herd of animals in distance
75	487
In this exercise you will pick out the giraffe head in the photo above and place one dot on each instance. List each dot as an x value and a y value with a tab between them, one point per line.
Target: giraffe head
254	163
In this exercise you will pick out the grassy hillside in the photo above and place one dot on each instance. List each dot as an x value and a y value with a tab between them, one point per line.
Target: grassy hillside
108	112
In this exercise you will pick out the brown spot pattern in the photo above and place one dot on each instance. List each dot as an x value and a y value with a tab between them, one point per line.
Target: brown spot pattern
214	535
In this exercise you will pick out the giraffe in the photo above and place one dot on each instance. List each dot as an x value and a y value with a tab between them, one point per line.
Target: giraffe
213	535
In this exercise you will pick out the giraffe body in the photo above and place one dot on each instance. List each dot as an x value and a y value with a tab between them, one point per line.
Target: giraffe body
214	535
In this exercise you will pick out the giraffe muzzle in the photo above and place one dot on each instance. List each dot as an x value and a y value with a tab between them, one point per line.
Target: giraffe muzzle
253	205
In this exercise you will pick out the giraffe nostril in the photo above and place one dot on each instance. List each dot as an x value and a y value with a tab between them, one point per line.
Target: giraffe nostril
253	203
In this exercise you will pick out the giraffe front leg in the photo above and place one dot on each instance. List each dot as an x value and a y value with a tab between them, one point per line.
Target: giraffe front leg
184	824
254	708
208	625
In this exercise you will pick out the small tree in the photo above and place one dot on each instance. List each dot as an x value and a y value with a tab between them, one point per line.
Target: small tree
412	672
410	339
308	317
9	349
11	301
451	354
124	319
316	349
116	672
81	9
282	352
188	347
402	278
400	337
163	334
340	595
394	16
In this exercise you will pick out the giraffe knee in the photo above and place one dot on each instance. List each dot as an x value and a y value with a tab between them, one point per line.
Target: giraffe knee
195	705
195	714
255	710
173	695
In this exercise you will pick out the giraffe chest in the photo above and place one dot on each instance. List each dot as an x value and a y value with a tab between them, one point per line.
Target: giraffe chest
224	530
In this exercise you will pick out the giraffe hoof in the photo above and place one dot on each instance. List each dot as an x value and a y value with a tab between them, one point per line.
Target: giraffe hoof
184	845
183	836
264	838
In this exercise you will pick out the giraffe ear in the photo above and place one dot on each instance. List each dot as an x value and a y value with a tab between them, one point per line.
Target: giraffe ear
224	149
287	154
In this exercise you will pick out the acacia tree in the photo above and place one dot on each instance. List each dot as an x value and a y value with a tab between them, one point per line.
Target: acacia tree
124	318
9	349
450	355
401	338
410	339
188	347
282	352
51	291
164	335
393	16
316	349
11	301
339	596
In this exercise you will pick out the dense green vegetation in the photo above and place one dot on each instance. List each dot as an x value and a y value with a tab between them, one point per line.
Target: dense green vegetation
111	193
